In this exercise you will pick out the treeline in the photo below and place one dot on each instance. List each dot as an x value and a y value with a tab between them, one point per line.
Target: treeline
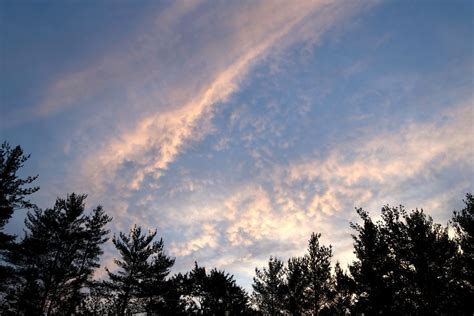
405	265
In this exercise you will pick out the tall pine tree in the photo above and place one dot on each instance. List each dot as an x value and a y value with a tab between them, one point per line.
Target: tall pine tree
143	264
269	288
297	285
318	263
57	256
14	192
373	293
463	221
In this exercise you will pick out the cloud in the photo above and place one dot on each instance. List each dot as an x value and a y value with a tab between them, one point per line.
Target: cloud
393	156
143	148
207	240
275	213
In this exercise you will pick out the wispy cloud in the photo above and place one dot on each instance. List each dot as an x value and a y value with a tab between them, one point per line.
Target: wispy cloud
319	194
149	146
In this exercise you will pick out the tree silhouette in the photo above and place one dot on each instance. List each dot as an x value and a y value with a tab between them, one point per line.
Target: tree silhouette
213	293
269	287
13	196
88	260
463	268
431	254
57	256
155	286
374	293
223	296
99	301
297	284
405	264
464	225
343	289
318	261
143	265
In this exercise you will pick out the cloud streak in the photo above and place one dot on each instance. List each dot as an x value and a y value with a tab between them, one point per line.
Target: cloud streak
145	149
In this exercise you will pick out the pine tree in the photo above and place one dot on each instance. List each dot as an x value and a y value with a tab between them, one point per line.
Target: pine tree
57	256
155	286
223	296
269	287
369	271
196	293
142	265
13	196
396	262
463	221
431	256
297	284
89	254
405	264
178	297
343	288
318	263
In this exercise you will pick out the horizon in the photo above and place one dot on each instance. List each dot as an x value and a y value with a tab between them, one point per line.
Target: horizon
222	123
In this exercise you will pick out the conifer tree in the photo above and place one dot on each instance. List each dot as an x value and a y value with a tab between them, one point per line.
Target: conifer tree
297	284
142	265
318	263
57	256
269	288
430	257
463	221
343	288
223	296
13	196
88	258
373	293
405	264
155	286
464	224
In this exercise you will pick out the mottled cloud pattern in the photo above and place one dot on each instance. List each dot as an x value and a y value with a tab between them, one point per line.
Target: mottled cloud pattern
238	128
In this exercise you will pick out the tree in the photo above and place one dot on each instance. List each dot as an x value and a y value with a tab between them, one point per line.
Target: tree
373	291
13	196
318	262
98	301
213	293
297	284
396	262
12	193
269	287
155	286
57	256
343	287
88	259
223	296
431	257
464	225
405	264
143	264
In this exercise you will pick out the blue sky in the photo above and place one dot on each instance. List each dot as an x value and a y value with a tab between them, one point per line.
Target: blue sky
237	128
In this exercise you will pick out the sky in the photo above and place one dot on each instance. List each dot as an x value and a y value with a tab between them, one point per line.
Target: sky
238	128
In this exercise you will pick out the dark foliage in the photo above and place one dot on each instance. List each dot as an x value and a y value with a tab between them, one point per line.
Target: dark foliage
318	261
343	289
13	196
139	285
57	257
405	264
269	288
213	293
297	284
464	266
